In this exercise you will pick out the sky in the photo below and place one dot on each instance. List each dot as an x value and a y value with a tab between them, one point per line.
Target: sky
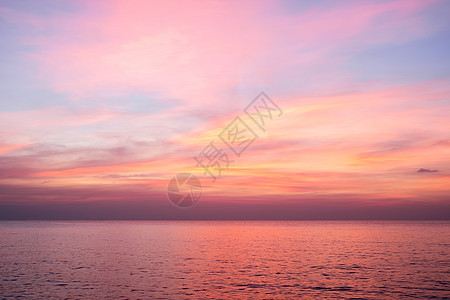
104	102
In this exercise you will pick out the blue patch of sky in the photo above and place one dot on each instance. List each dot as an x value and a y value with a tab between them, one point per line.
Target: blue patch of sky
17	76
418	60
132	101
17	86
42	7
297	7
425	58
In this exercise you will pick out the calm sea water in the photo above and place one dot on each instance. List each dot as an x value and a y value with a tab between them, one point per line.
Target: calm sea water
225	259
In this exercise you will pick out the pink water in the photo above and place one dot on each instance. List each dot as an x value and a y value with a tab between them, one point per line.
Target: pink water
225	259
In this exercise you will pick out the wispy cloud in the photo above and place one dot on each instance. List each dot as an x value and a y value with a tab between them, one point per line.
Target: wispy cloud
422	170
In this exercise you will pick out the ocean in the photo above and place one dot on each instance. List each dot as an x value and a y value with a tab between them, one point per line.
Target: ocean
225	259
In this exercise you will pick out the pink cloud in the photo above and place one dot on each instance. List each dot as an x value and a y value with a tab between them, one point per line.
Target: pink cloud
5	149
202	49
53	117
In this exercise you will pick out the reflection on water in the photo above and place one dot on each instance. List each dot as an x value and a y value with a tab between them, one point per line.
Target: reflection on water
225	259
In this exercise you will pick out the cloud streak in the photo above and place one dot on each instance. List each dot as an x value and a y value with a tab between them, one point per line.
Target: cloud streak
422	170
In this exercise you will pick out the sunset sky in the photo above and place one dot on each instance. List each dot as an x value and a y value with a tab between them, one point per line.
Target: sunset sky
103	102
